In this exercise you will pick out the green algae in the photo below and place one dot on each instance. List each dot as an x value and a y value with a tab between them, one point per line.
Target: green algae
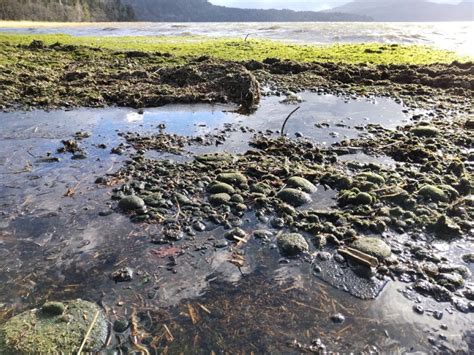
240	50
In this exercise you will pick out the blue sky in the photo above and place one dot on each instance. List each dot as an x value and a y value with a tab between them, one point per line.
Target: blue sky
292	4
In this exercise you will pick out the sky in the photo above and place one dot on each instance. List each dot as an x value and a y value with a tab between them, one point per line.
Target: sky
314	5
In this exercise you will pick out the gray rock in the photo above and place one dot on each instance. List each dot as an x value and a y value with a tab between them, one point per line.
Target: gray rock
292	244
302	184
294	197
221	187
234	178
131	203
219	199
373	246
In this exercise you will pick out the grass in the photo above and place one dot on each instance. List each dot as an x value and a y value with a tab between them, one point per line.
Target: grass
240	50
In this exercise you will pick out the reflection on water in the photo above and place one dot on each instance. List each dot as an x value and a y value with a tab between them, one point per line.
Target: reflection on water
455	36
60	239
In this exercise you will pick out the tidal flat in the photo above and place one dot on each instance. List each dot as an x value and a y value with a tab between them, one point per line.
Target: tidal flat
235	195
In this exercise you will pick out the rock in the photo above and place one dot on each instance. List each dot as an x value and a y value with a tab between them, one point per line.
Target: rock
446	228
373	246
302	184
235	232
234	179
131	203
451	281
261	188
338	318
294	197
183	200
122	275
36	332
53	309
362	198
219	199
433	193
418	309
439	293
468	258
221	187
262	234
237	198
425	131
120	325
372	177
292	244
199	226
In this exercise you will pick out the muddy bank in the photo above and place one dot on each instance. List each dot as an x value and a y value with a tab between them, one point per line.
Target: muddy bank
68	76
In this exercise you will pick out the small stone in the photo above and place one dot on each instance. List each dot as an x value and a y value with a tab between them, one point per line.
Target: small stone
261	188
53	308
235	232
338	318
221	187
219	199
292	244
438	315
234	178
468	258
294	197
425	131
373	246
221	244
446	228
433	193
418	309
302	184
372	177
199	226
262	234
120	325
122	275
362	198
131	203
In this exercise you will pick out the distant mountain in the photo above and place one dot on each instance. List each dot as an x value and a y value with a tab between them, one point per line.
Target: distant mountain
408	10
65	10
204	11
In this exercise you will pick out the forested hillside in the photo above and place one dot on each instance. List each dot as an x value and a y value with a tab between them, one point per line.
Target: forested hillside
204	11
65	10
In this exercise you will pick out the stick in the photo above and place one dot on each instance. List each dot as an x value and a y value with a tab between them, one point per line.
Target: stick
282	133
88	332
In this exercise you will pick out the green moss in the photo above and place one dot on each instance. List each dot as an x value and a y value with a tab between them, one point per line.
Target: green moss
239	50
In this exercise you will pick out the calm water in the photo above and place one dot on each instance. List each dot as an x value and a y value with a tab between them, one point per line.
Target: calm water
457	36
58	247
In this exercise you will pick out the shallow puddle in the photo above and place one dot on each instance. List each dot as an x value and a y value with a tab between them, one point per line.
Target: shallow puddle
58	239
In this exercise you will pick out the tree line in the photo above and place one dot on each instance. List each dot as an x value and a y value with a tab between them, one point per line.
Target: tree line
66	10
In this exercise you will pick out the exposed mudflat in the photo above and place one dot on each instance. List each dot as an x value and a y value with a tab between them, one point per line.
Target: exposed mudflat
192	270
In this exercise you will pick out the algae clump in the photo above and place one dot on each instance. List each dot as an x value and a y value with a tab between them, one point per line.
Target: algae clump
57	327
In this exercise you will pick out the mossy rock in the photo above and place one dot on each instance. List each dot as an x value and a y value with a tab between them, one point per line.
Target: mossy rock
261	188
433	193
372	177
47	330
425	131
446	228
221	187
219	199
373	246
302	184
362	198
215	159
292	244
234	178
131	203
154	200
294	197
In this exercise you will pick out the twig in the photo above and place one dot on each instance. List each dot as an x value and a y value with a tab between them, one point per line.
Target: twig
246	37
282	132
88	332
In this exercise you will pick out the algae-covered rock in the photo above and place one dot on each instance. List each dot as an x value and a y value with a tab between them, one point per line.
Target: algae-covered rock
214	159
446	228
373	246
261	188
362	198
372	177
219	199
221	187
292	244
234	178
131	203
294	197
433	193
302	184
47	331
425	131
